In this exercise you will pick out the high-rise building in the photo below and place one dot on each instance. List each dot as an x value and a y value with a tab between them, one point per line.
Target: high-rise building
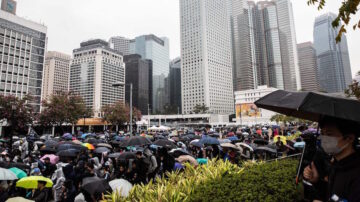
206	65
120	44
332	58
155	49
56	73
264	45
175	83
308	67
22	49
94	69
9	6
139	73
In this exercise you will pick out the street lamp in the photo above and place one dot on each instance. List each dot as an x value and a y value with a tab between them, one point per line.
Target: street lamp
118	84
84	123
13	108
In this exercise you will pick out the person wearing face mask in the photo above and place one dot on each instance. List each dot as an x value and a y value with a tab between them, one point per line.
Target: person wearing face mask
339	139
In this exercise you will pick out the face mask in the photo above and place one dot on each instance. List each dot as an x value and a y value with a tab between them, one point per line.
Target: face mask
329	144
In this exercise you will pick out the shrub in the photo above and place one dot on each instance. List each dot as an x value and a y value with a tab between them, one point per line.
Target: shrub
221	181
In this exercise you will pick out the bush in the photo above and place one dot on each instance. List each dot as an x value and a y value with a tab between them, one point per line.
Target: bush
221	181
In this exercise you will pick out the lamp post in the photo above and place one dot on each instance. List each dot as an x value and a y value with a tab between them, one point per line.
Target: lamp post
149	116
13	108
84	123
131	108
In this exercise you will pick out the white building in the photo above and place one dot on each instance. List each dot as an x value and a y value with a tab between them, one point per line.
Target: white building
206	56
246	111
56	73
94	69
120	44
22	49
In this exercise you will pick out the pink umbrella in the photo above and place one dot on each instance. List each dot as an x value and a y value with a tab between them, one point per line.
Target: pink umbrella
53	158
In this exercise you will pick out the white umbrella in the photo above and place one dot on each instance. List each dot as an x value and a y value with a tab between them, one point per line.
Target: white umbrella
6	174
229	145
18	199
121	185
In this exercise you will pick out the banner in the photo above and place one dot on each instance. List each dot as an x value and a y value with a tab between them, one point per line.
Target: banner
247	110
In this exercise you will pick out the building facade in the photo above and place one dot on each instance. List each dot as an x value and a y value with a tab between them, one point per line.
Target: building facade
22	51
175	84
120	44
56	73
264	45
247	112
139	73
206	65
156	49
9	6
94	69
308	67
332	58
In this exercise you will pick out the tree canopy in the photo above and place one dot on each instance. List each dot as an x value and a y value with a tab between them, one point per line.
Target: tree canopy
200	109
354	89
119	113
347	10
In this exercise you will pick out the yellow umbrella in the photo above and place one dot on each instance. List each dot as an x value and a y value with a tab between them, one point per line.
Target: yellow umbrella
282	139
32	182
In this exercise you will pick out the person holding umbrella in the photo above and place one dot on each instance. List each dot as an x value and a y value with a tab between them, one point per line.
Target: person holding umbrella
41	194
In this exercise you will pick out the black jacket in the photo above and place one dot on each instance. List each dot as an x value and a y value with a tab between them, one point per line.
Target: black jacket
344	178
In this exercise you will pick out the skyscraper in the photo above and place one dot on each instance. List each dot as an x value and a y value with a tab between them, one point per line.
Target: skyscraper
95	67
264	45
22	49
120	44
175	83
332	58
155	49
308	67
139	73
206	66
56	73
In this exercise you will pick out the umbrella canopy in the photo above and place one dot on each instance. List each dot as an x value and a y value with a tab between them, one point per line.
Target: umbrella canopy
69	145
92	141
18	172
18	199
122	186
11	164
77	141
68	153
48	150
196	143
101	150
244	145
126	156
261	141
53	158
67	136
209	141
299	144
94	185
224	141
178	152
229	145
39	143
88	146
266	149
232	138
187	158
165	143
51	143
136	141
311	106
32	182
114	155
202	161
104	145
6	174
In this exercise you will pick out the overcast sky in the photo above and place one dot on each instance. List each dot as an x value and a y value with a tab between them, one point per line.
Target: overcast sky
70	22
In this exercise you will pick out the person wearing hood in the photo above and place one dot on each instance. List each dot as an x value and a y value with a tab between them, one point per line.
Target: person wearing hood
153	164
339	139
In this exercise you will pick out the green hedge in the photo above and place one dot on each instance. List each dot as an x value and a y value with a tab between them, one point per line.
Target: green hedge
222	181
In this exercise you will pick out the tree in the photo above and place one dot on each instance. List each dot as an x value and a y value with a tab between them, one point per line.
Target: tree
63	108
347	10
200	109
17	112
354	89
119	113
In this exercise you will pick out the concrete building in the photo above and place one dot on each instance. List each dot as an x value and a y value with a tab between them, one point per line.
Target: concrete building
95	67
120	44
264	45
206	65
156	49
56	73
22	49
175	83
246	111
332	58
308	67
9	6
139	73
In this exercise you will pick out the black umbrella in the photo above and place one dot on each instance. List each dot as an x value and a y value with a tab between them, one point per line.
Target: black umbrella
51	143
68	153
136	141
48	150
93	141
94	185
66	146
261	141
22	166
126	156
165	143
101	150
266	149
114	155
311	106
178	152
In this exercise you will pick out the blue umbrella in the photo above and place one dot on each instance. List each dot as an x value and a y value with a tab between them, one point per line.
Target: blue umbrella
83	136
118	138
233	138
209	141
67	136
